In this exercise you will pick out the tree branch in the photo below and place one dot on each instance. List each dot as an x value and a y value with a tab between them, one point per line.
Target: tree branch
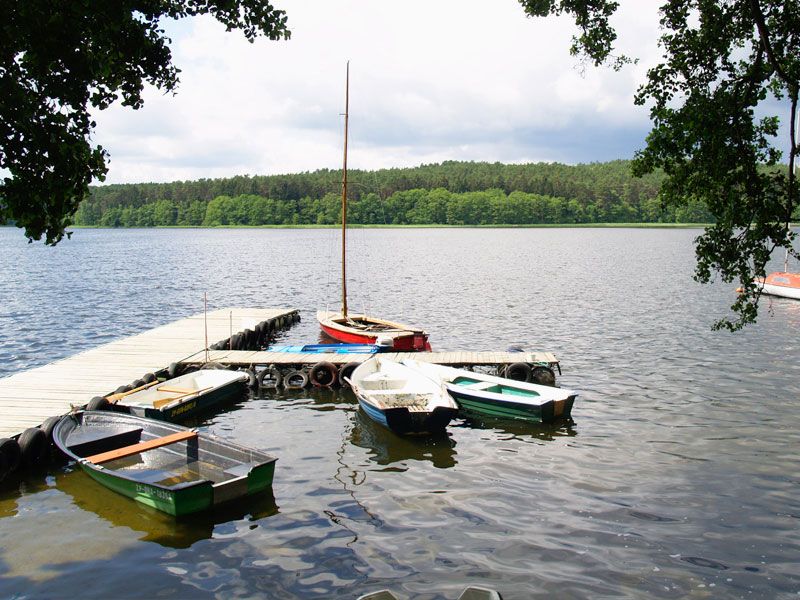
763	32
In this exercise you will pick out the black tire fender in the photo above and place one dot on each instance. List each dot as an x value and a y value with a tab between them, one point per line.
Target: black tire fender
252	380
98	403
33	447
48	426
295	380
10	456
324	374
347	372
519	371
269	378
543	376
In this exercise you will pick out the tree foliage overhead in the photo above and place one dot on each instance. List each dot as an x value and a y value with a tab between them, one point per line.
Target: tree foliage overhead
725	64
57	60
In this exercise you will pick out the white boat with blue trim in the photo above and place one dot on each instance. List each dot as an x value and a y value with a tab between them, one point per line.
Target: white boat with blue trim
401	399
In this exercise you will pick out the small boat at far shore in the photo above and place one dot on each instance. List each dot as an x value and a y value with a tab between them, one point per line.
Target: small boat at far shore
168	467
401	399
484	395
786	285
184	396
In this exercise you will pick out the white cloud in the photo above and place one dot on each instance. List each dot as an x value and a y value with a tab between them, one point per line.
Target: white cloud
430	81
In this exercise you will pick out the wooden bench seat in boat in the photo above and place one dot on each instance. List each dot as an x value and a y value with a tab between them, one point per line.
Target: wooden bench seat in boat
166	440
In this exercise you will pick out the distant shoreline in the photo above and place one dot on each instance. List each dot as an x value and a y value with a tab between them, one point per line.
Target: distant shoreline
423	226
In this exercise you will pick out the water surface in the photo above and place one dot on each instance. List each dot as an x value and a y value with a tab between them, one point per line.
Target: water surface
678	477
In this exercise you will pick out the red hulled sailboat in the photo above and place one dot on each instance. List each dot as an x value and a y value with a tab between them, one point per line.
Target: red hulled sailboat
359	328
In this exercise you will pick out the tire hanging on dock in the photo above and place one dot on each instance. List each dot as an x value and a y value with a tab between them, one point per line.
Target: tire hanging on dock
346	372
236	341
33	447
9	457
519	371
543	376
295	380
98	403
324	374
252	380
269	378
48	426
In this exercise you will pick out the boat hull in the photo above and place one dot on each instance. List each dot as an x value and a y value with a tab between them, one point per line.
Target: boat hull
177	476
404	338
189	500
405	422
473	404
785	285
484	395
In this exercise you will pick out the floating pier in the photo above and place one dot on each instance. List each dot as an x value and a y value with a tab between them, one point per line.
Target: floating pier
31	402
29	398
255	358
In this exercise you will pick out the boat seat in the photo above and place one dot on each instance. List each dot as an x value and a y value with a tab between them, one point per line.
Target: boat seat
166	440
479	385
91	441
377	381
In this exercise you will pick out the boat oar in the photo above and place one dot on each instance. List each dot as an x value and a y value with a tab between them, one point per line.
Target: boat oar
165	401
113	398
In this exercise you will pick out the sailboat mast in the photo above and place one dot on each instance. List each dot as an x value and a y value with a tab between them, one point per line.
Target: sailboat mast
344	194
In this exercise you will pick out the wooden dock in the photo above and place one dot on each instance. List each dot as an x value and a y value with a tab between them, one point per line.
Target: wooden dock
245	359
27	399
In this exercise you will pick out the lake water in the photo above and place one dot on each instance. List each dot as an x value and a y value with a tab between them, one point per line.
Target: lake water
679	477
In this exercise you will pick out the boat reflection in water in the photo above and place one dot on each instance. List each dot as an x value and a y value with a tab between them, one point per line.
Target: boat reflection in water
155	525
520	429
387	448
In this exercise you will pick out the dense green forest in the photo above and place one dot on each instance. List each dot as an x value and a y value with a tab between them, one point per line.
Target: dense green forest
452	193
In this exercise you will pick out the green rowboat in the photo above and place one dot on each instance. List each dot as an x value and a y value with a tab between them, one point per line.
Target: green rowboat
165	466
482	395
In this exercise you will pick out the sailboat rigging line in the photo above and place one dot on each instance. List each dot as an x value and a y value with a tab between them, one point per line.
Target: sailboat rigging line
344	192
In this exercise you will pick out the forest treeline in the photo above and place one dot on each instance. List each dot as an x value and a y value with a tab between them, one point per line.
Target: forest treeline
452	193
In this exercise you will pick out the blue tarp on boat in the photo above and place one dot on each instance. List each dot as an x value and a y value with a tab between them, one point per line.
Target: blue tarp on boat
328	349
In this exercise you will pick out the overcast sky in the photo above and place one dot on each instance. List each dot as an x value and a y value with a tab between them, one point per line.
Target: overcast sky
429	81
